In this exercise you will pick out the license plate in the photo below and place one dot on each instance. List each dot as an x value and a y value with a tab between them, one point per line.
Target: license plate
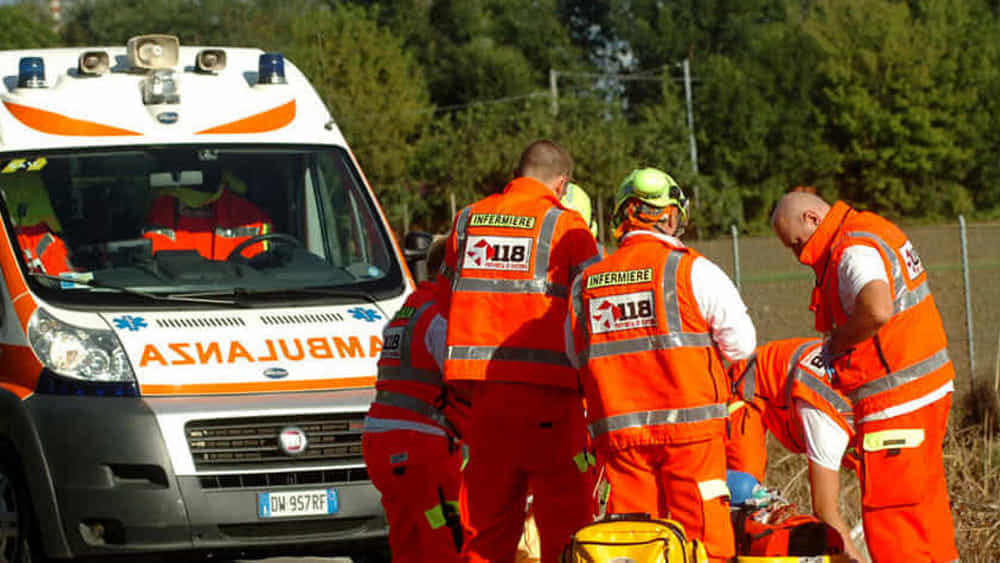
317	502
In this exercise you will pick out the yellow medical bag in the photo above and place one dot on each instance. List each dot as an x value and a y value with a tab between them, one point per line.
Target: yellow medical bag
633	538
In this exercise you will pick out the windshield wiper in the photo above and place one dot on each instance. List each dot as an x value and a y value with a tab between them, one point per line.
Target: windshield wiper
322	291
138	293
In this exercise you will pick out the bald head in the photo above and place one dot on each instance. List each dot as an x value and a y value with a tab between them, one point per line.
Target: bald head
796	217
548	163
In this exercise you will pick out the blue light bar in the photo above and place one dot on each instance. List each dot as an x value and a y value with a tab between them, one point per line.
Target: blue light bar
271	69
31	72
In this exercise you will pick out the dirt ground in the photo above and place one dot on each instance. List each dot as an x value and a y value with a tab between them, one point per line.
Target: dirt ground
776	289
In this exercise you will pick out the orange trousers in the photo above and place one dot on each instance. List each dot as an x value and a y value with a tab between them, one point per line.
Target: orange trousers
419	478
904	494
524	436
685	482
746	444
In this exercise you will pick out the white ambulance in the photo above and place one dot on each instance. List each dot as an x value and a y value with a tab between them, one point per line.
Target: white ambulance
195	278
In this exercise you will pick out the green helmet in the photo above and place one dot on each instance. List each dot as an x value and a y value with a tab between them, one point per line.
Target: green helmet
655	189
578	200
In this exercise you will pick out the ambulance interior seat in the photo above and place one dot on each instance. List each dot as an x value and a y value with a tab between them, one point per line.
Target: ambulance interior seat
29	203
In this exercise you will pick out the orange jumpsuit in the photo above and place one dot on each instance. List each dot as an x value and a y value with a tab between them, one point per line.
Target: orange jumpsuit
408	444
769	382
655	387
507	269
905	507
214	229
43	250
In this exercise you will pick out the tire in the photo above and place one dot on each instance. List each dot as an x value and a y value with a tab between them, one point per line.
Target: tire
17	525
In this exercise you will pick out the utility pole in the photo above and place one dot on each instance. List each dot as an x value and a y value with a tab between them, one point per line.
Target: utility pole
554	88
687	96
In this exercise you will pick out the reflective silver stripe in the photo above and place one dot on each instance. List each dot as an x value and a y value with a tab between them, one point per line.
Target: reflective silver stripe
750	378
543	244
904	298
823	390
576	300
400	373
648	343
670	304
793	365
44	244
512	286
901	377
658	417
162	231
414	404
461	235
584	265
509	354
237	232
447	272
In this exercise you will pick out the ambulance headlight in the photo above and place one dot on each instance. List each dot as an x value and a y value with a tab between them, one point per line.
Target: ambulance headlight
81	353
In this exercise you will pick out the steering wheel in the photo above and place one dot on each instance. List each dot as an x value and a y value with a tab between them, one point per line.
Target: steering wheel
237	253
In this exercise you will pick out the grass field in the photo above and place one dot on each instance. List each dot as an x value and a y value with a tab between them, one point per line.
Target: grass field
776	289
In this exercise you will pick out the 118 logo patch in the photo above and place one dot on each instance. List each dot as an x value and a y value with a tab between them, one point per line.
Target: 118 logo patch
498	253
622	312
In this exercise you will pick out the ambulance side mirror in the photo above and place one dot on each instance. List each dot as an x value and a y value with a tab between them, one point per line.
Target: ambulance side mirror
415	247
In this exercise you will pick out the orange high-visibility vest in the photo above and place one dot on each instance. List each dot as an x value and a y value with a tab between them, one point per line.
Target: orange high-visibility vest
908	357
507	270
409	386
780	372
43	250
214	229
651	371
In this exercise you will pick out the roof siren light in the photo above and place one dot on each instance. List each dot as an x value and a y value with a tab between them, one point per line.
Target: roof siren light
210	60
94	62
271	69
154	51
31	72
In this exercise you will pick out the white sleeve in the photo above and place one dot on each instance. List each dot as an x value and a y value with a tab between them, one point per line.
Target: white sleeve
826	441
721	305
436	339
859	265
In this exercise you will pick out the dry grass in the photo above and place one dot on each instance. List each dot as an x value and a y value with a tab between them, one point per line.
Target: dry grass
972	463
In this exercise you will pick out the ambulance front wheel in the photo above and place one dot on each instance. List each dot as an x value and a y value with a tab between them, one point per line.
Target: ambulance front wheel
17	524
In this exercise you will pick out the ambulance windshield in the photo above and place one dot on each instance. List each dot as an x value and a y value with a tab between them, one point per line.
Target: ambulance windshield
184	220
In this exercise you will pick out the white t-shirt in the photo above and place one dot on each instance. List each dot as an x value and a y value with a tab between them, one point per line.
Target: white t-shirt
719	302
826	441
860	265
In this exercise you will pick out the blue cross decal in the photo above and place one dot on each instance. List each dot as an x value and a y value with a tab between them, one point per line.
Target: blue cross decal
365	314
128	322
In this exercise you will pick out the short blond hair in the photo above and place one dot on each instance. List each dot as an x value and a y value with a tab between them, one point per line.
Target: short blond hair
545	160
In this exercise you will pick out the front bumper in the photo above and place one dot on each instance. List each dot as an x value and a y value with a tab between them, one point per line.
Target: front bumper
123	483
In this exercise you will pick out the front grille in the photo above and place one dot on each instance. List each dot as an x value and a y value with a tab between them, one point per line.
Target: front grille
241	443
275	479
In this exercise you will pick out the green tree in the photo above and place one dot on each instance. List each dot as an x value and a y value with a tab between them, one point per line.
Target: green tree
374	89
896	103
25	26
